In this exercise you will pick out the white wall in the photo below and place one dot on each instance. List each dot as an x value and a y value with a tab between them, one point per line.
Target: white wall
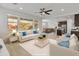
3	25
3	20
70	23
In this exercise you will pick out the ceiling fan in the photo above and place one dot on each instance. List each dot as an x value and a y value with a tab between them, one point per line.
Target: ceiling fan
43	11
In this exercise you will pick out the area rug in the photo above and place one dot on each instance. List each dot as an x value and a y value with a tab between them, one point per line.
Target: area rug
16	50
35	50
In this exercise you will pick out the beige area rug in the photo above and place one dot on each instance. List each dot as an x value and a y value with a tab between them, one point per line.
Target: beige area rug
61	51
34	50
52	36
16	50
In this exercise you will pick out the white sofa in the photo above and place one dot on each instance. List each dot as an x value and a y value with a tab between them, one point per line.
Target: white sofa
56	50
3	51
27	37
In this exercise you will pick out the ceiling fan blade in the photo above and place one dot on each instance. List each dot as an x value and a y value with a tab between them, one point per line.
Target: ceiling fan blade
47	13
43	8
48	10
37	12
41	12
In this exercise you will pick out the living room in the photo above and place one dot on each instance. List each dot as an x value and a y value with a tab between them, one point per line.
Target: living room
36	29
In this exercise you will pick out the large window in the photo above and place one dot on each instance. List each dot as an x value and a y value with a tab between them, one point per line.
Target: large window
21	24
12	23
25	24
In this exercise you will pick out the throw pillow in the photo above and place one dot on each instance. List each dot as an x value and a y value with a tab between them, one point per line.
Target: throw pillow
64	42
23	33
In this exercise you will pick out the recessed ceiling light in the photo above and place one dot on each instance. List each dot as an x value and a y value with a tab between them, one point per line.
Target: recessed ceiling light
21	8
8	14
62	9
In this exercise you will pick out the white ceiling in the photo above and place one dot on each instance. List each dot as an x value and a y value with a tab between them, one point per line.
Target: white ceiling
31	8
